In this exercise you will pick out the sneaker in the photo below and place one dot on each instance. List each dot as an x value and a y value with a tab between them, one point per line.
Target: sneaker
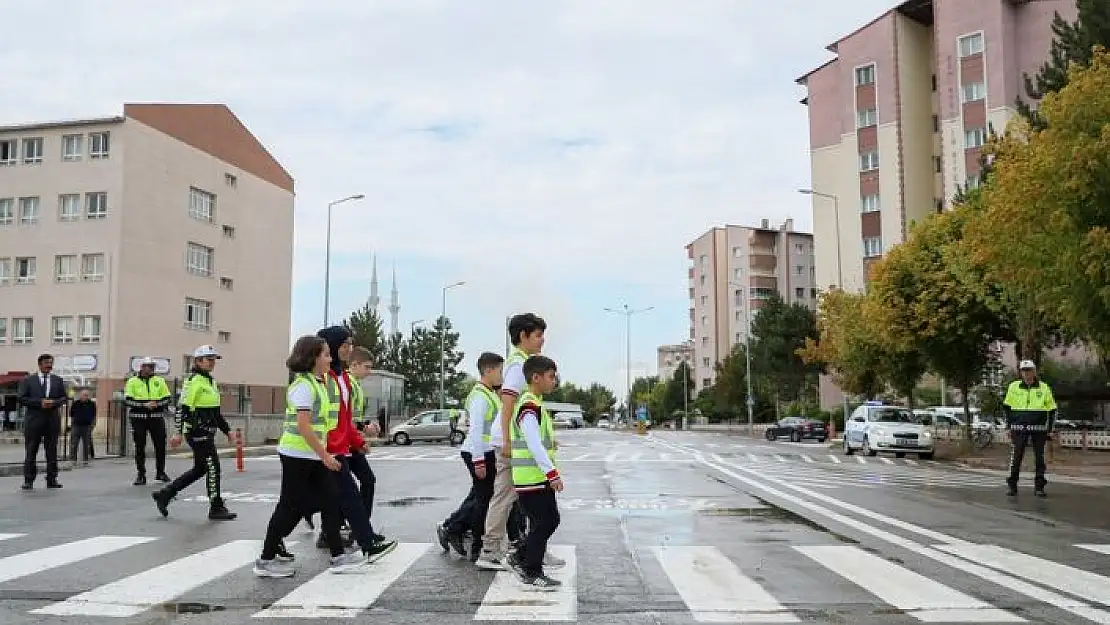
457	543
283	554
219	512
322	543
162	500
1011	491
441	536
161	477
379	550
273	568
539	582
1040	492
550	560
512	562
139	481
347	562
489	563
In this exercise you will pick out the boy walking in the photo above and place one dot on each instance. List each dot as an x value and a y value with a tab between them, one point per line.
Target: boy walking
535	476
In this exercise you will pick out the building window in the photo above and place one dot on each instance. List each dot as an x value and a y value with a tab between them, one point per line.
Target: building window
934	81
7	211
938	164
971	44
25	269
761	292
800	292
704	321
61	330
198	260
3	331
800	248
703	261
869	161
704	300
96	205
974	91
705	361
65	268
230	180
936	123
975	138
865	75
223	337
869	117
92	267
705	340
973	181
32	150
229	232
9	152
28	211
69	207
226	284
89	326
798	269
198	314
23	331
202	205
739	315
5	271
702	280
737	252
99	145
738	274
870	203
738	297
872	247
71	147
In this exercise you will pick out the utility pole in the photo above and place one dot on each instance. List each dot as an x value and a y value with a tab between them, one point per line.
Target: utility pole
327	254
443	346
628	312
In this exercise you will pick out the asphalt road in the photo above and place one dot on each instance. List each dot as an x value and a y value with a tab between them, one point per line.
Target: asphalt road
667	528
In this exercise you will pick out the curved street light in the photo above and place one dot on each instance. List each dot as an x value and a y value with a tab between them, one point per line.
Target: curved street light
327	253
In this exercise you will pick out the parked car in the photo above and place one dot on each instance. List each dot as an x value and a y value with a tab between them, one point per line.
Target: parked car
875	427
572	420
603	423
798	429
431	425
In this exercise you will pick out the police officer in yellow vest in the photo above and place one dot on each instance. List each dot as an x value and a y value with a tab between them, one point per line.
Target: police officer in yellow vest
535	475
147	396
482	405
1030	414
197	421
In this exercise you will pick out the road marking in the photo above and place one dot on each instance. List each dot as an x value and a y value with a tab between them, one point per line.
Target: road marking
134	595
584	456
715	590
10	536
886	460
753	457
711	444
780	458
860	460
1096	548
634	457
664	456
509	600
921	597
1045	572
912	463
807	458
834	459
738	446
39	560
344	596
611	457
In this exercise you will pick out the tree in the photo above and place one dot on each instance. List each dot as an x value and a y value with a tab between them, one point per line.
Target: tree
366	329
848	345
778	332
418	360
730	387
678	389
1073	43
598	400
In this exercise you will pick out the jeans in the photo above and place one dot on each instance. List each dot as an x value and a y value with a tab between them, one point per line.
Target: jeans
542	510
306	485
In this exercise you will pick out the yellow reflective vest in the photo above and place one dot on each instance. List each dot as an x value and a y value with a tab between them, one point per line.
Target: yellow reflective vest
526	470
493	406
1029	407
324	414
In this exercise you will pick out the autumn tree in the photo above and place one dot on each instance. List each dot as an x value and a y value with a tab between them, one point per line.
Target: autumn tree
847	345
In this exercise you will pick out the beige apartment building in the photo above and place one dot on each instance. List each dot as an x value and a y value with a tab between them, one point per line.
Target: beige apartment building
146	234
669	357
735	269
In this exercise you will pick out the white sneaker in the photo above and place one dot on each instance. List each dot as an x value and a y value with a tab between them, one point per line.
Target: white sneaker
273	568
490	563
349	562
553	562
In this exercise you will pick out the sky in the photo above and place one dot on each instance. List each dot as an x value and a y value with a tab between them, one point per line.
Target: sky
557	156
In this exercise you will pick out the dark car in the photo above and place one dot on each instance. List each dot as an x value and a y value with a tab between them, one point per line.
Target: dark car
798	429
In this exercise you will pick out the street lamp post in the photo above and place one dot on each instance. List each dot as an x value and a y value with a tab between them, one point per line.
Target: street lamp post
628	312
749	400
327	254
413	324
839	265
443	345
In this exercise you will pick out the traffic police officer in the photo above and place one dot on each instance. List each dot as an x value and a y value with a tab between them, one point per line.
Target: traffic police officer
1030	413
147	396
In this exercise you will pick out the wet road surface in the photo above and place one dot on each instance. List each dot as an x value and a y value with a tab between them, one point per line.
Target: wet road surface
669	528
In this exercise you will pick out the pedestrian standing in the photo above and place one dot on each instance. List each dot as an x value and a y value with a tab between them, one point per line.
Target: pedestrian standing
82	420
482	406
147	396
42	395
197	422
1030	412
536	477
306	465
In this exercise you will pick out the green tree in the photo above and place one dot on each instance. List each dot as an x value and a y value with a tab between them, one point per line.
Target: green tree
779	331
848	344
731	383
678	391
366	329
418	359
599	400
1072	44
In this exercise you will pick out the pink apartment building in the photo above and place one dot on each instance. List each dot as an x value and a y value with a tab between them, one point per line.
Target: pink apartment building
146	234
897	119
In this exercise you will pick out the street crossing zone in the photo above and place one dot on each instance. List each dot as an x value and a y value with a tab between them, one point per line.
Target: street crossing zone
704	582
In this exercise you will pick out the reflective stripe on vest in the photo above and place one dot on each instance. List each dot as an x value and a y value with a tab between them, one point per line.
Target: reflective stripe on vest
1037	398
493	406
322	411
336	399
153	388
525	469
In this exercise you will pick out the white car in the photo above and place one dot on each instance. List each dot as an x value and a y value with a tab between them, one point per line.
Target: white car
603	423
874	427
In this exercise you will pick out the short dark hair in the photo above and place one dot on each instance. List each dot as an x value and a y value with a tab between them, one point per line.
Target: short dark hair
305	351
489	360
525	323
537	365
361	354
44	357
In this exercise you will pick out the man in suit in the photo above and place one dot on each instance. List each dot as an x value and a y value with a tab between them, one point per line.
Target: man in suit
42	394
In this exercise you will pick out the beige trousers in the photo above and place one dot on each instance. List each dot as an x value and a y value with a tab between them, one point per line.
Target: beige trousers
494	542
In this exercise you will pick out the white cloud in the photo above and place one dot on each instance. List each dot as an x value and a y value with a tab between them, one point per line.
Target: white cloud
608	134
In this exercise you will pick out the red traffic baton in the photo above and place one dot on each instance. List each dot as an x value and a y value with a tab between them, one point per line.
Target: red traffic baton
239	450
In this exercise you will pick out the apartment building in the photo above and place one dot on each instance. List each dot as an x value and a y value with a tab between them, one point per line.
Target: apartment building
735	269
669	357
146	234
898	118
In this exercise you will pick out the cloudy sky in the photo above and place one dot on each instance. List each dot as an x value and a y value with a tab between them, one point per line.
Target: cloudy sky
556	156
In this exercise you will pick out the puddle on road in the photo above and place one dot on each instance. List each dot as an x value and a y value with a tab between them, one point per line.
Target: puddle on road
768	512
185	607
411	501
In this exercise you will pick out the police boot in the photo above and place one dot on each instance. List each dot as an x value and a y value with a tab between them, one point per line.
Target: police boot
217	511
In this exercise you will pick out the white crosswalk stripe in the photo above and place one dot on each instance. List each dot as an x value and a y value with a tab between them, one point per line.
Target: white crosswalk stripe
712	587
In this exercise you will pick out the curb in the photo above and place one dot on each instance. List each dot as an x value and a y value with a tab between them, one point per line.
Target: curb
16	469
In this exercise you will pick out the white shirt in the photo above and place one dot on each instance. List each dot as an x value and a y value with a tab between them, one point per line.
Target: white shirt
530	427
512	385
301	397
45	379
476	410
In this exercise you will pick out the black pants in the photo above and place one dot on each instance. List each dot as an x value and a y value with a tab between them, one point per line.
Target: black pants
360	467
42	430
80	434
206	463
542	511
1017	452
155	425
306	486
350	503
471	514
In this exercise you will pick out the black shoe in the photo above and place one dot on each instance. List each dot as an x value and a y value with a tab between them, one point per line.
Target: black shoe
322	543
378	538
162	500
1039	492
539	582
31	485
53	485
441	535
456	542
162	477
282	554
219	512
1012	491
139	481
378	550
475	551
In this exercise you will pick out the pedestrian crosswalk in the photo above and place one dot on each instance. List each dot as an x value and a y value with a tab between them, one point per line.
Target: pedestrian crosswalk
712	584
855	475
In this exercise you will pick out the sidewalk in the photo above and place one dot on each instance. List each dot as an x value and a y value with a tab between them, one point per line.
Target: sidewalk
1070	462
